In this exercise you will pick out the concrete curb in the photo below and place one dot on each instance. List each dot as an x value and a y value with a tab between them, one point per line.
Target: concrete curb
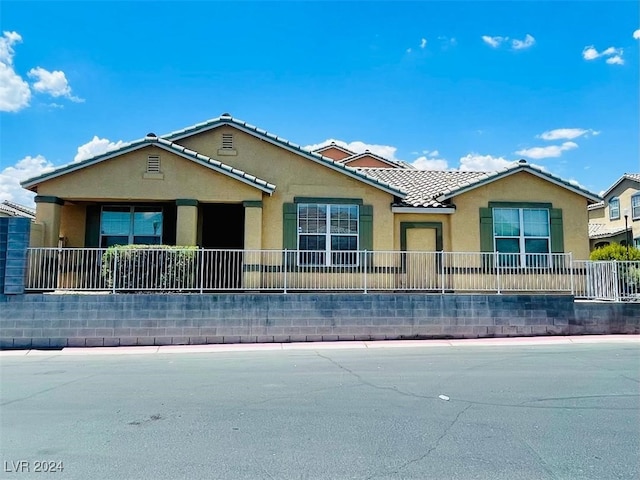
259	347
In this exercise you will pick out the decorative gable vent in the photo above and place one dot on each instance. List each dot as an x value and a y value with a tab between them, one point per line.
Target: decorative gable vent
153	164
227	141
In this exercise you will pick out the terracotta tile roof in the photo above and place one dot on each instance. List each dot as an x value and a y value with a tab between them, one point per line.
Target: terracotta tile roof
601	230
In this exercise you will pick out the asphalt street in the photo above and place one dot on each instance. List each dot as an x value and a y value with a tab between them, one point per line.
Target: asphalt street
548	411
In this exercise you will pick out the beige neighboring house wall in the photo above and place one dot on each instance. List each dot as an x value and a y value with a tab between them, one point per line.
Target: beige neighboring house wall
605	228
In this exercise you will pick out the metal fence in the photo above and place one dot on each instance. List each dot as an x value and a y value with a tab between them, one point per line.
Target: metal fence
608	280
202	270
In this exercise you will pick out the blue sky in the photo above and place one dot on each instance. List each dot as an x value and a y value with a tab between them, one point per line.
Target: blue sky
458	85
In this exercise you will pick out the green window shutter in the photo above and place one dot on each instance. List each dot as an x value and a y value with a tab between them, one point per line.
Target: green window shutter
366	227
290	227
557	230
486	230
92	227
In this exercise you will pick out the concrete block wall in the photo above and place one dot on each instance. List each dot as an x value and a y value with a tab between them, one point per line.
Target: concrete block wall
14	240
55	321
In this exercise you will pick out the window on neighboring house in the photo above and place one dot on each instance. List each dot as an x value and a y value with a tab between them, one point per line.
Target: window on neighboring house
636	242
522	236
125	225
614	208
327	234
635	207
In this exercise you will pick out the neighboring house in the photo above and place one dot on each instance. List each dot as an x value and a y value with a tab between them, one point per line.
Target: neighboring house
11	209
226	184
616	219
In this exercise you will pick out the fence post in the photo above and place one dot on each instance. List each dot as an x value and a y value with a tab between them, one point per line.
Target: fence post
115	269
201	268
616	282
573	288
365	271
442	256
497	263
284	269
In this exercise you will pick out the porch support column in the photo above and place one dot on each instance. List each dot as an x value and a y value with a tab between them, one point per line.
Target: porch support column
252	224
252	241
187	222
48	213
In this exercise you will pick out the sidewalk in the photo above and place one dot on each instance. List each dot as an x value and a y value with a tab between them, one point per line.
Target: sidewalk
251	347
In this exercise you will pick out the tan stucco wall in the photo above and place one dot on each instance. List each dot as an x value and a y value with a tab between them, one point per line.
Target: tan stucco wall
121	179
445	219
294	177
72	224
521	187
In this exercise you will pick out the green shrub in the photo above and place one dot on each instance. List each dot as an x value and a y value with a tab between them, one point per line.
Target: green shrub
615	251
144	267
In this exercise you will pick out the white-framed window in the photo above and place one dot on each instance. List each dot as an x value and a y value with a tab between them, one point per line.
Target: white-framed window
126	225
635	206
521	236
614	208
636	242
328	234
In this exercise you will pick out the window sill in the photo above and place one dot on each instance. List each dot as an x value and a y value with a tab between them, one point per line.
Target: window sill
153	176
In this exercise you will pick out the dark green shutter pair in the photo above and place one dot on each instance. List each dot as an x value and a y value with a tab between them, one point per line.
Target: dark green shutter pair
290	225
555	219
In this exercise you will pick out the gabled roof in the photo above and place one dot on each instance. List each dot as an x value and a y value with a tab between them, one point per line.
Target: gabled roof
152	140
520	166
390	163
228	120
336	146
432	188
634	177
602	230
422	186
17	210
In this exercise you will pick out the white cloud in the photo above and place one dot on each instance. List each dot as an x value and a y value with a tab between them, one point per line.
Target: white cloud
566	133
636	34
408	50
14	91
615	60
435	153
424	163
474	162
614	54
590	53
551	151
52	83
528	41
11	177
96	146
494	41
423	43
